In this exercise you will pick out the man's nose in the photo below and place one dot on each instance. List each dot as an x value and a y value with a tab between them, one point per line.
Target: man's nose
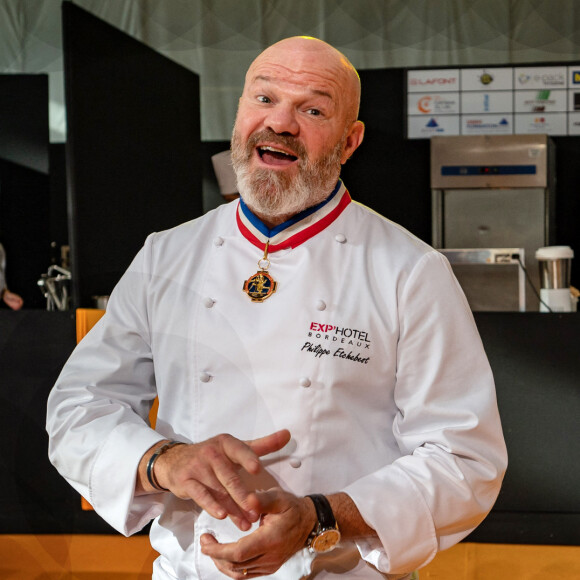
282	119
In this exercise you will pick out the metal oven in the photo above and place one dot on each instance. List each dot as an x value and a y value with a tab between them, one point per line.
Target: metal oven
495	194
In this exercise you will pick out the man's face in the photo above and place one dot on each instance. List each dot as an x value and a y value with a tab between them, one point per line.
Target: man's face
291	133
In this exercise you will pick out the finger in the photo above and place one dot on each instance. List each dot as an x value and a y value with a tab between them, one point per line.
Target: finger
270	443
246	454
248	554
218	504
242	553
232	486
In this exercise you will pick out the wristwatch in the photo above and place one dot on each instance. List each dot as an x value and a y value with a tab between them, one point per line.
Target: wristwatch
325	535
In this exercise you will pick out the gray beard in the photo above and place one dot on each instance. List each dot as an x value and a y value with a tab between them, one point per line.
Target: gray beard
274	195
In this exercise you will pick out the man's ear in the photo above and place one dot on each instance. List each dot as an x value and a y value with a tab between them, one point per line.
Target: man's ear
353	140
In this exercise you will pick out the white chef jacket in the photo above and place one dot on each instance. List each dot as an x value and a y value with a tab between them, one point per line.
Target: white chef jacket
367	352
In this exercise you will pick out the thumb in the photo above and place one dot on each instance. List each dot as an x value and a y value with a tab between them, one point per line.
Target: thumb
207	540
270	501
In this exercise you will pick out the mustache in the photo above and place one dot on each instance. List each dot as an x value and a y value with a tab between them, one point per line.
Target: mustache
287	141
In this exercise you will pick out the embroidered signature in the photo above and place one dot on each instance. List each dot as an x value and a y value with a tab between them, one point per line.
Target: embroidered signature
319	351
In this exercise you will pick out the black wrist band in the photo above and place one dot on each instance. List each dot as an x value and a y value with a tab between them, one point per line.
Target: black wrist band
323	510
151	463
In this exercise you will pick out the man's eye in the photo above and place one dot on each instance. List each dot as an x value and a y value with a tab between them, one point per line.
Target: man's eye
314	112
264	99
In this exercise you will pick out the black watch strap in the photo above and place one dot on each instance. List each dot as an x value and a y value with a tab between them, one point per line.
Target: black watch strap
324	512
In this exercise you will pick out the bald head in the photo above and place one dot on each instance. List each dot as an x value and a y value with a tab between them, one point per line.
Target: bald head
304	54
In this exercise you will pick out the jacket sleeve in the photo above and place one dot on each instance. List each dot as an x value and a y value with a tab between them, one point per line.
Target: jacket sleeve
447	427
97	414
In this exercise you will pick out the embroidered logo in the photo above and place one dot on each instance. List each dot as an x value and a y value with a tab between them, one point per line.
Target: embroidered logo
333	336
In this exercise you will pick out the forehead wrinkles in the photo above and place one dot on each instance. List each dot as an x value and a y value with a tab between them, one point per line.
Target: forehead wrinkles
327	82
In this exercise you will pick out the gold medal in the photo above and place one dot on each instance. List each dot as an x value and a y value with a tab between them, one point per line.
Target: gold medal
261	285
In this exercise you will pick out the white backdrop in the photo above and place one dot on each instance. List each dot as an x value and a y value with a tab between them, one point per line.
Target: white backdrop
218	38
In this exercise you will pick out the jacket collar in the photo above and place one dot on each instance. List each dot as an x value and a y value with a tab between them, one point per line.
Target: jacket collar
297	229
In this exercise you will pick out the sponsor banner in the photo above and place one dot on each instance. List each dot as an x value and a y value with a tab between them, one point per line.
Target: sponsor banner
486	124
427	81
548	123
487	79
574	123
472	101
547	77
433	104
574	99
574	76
424	127
540	101
475	103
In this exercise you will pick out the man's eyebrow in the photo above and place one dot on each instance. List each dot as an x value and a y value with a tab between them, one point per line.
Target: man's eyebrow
268	79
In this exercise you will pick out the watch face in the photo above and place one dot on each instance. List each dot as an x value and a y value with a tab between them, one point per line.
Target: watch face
325	541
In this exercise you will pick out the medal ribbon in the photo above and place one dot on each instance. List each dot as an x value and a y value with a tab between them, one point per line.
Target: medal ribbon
297	230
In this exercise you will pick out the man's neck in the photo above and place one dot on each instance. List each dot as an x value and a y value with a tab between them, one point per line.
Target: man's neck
272	222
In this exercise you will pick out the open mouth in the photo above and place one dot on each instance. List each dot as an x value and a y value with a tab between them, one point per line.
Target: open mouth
273	156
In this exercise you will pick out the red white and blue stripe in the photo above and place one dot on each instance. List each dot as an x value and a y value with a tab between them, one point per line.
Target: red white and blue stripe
297	229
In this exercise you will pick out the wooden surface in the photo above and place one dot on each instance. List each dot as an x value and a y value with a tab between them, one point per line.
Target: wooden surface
107	557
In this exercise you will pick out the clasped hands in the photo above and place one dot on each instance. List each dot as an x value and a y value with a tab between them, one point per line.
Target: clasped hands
209	474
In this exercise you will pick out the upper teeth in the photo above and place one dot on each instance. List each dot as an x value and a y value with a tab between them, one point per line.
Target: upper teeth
268	148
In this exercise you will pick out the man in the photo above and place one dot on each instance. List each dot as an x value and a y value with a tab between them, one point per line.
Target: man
11	299
337	398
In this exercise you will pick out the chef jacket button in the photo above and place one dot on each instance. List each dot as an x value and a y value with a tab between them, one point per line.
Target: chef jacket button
340	238
208	302
295	462
219	241
321	305
305	382
204	377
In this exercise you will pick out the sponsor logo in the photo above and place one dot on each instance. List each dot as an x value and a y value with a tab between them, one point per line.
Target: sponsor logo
479	124
435	104
539	122
486	78
424	104
433	82
547	79
335	333
486	102
576	77
540	102
337	341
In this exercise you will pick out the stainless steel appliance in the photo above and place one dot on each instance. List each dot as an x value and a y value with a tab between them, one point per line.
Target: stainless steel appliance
493	192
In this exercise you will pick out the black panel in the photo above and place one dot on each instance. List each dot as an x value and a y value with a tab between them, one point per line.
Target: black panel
567	199
24	229
34	498
536	367
133	148
389	173
24	120
58	205
24	182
